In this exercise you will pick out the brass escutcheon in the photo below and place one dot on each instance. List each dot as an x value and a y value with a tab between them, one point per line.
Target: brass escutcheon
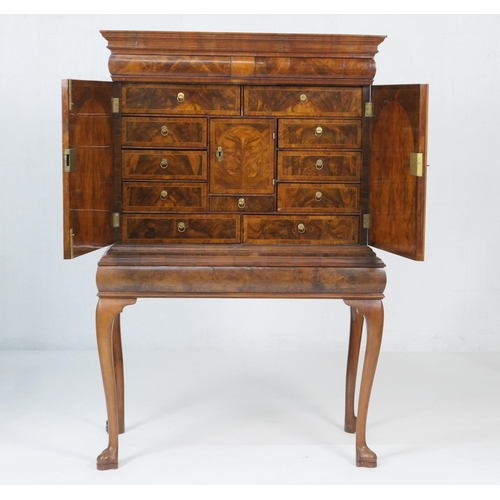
180	96
164	195
164	131
318	132
303	98
181	227
219	153
318	196
301	228
319	164
241	203
164	163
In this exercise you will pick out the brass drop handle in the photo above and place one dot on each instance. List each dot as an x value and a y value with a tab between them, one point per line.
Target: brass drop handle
219	153
301	228
164	163
164	131
318	132
318	196
181	227
164	195
303	98
241	203
180	96
319	164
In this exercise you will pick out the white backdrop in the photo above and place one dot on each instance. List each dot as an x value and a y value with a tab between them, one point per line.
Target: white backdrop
447	303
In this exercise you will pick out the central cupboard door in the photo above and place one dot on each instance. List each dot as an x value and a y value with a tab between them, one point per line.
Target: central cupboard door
242	156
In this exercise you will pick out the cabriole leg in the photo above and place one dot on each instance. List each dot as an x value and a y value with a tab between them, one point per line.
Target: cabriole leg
106	327
352	369
373	312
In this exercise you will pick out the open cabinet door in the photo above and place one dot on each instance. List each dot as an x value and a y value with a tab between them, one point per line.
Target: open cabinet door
87	166
398	164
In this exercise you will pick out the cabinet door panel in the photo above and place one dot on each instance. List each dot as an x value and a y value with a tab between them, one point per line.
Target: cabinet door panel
88	181
397	198
241	156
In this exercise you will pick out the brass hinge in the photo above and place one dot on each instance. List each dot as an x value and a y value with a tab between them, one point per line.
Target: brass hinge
368	109
367	221
115	104
115	219
71	244
417	164
70	160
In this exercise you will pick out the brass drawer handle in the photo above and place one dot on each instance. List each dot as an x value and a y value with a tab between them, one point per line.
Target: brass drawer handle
164	131
180	96
241	203
303	98
318	132
319	164
301	228
318	196
164	163
181	227
164	195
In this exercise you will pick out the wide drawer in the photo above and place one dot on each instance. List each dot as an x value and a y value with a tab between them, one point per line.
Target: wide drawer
332	198
164	196
181	99
178	229
343	102
164	165
319	134
165	132
335	230
241	203
324	165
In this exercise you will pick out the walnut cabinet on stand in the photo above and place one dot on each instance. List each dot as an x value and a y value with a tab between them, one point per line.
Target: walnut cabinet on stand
246	166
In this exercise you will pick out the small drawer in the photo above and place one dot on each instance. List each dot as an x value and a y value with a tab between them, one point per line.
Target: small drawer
162	197
179	229
241	203
314	166
181	99
165	132
332	198
159	165
319	134
342	102
334	230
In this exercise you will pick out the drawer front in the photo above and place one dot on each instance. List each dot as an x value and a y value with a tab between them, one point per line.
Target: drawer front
158	165
314	166
179	228
159	196
319	134
331	198
181	99
338	230
241	203
342	102
165	132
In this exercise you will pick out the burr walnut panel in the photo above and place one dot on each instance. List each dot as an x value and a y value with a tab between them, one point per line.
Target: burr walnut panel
159	196
331	198
161	165
319	133
164	132
241	156
303	101
307	229
181	99
182	228
317	166
242	204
